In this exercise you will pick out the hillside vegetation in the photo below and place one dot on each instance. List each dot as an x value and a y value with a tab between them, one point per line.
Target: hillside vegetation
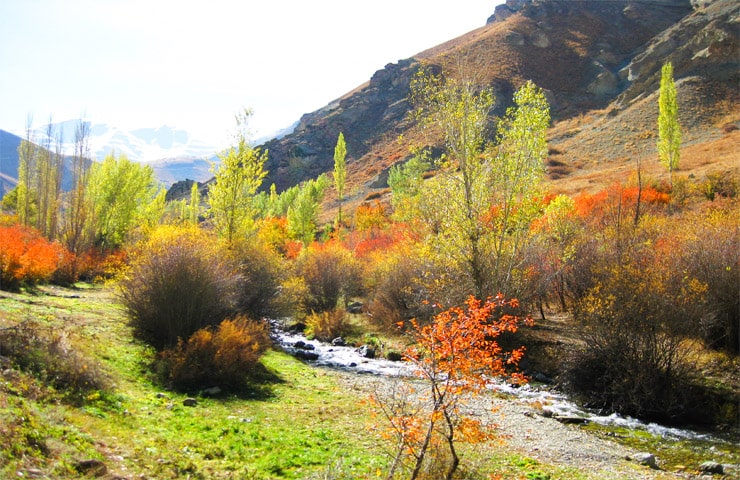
599	63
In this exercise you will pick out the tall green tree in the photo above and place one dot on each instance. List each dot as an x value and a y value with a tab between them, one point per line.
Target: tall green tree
479	205
406	181
669	130
25	197
340	173
76	232
456	200
121	192
303	213
194	207
236	181
48	181
516	179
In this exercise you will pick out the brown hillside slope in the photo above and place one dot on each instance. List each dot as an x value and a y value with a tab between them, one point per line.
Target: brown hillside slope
599	62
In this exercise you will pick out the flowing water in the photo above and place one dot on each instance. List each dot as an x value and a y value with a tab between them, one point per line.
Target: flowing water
551	401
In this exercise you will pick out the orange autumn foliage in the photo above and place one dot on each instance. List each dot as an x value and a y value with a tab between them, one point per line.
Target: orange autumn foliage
369	216
601	206
26	257
225	355
460	344
456	356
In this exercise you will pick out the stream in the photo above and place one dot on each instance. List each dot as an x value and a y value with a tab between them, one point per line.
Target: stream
554	403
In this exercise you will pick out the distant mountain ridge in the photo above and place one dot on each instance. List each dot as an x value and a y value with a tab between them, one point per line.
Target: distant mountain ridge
173	153
9	164
140	144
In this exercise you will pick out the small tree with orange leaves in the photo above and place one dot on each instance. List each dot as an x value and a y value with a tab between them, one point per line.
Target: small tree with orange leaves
456	356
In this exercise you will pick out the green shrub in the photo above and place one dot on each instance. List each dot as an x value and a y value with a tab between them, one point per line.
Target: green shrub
225	356
177	285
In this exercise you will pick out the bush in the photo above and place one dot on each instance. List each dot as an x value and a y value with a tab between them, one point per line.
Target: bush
49	354
224	357
711	254
406	282
26	258
330	273
634	323
178	284
326	326
260	272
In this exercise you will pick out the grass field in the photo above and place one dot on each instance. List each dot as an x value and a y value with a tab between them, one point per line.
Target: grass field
298	422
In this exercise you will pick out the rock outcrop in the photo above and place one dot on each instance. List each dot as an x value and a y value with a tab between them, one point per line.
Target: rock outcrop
575	50
372	113
587	55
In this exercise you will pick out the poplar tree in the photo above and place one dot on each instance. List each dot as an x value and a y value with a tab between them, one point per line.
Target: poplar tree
236	181
480	205
27	152
340	173
48	182
76	224
669	130
194	208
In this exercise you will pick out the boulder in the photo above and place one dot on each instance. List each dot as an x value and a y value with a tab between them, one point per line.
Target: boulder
354	307
366	351
92	467
338	342
570	419
644	458
306	355
190	402
394	356
542	378
301	345
212	392
712	468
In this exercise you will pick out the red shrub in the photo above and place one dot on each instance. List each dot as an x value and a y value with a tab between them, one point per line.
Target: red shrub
26	257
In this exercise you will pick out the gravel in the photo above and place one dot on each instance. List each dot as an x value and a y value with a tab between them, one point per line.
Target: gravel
524	430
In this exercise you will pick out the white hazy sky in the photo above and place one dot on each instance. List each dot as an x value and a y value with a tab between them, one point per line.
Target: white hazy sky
194	64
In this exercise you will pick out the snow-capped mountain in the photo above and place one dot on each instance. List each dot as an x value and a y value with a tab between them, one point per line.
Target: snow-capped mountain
141	144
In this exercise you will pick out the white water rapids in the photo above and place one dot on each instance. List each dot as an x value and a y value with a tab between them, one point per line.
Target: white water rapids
348	358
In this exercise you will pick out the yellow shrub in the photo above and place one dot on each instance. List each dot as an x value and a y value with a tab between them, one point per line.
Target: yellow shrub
223	357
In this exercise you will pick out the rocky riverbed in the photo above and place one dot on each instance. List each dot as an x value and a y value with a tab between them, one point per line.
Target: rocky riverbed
537	422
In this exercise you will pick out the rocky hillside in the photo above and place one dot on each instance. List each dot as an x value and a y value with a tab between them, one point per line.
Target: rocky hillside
599	62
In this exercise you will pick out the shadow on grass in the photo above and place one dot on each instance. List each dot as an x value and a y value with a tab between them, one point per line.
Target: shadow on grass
258	384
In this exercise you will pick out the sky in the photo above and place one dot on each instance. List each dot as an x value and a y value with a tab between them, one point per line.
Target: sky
195	64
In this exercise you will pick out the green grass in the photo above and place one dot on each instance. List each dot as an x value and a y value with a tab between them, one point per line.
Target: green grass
300	422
